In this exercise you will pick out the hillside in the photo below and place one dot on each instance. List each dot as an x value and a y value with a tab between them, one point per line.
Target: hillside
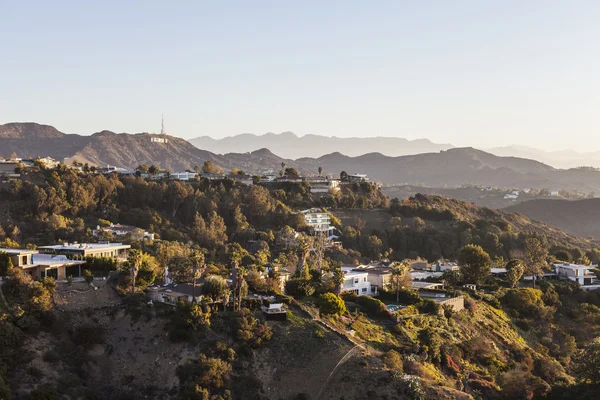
289	145
579	217
459	166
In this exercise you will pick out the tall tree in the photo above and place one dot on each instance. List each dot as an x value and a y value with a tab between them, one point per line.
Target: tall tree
535	257
514	272
400	277
343	176
135	261
475	264
320	170
198	266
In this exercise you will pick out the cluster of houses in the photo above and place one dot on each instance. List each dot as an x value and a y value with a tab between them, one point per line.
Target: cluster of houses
9	167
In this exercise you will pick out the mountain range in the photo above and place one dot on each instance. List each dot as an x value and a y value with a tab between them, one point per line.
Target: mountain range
291	146
446	168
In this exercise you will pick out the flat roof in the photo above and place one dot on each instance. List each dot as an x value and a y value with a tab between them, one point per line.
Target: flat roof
498	270
18	251
425	285
87	246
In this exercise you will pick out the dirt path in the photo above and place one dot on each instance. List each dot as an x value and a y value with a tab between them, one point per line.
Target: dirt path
346	357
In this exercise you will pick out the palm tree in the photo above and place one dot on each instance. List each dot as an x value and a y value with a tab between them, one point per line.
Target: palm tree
400	274
198	265
135	261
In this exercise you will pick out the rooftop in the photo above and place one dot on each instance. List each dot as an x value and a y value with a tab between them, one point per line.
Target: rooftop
18	251
86	246
573	266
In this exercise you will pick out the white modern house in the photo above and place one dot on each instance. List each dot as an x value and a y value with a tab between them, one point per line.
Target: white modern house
357	282
319	221
39	266
122	230
101	249
576	273
183	176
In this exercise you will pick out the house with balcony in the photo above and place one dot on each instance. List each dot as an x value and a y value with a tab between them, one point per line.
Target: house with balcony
357	282
581	274
40	266
319	221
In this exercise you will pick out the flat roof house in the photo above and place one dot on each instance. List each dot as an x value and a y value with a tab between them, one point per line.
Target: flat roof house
40	266
576	273
357	283
108	250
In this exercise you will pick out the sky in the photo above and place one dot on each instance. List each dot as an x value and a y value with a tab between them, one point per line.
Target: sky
470	73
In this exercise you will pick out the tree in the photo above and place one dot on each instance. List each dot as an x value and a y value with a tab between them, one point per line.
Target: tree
6	263
209	168
586	363
153	169
343	176
320	170
135	261
535	257
474	263
215	287
291	172
514	272
338	278
198	267
400	277
331	304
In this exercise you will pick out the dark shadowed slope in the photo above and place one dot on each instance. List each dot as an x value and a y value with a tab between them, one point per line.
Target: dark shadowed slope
579	217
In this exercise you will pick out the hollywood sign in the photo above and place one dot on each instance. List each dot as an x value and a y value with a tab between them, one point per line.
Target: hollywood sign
158	140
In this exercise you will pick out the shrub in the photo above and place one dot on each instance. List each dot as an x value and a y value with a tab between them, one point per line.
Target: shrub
299	288
392	360
330	304
88	276
70	279
430	307
526	302
373	307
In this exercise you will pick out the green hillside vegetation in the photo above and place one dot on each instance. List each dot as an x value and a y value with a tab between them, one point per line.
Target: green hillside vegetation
512	341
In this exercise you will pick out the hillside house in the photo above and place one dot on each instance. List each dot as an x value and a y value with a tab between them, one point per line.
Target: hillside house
443	266
358	283
174	293
358	178
323	184
122	230
319	221
183	176
576	273
39	266
82	250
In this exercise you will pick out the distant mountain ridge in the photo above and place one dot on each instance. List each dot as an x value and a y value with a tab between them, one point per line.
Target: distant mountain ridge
450	168
289	145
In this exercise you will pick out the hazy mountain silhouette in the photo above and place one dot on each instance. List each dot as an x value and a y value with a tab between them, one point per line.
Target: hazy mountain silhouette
289	145
450	168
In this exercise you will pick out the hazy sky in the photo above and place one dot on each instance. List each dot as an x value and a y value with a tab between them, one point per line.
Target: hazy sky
478	73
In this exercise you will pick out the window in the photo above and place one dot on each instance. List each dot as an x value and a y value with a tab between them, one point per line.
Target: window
364	279
356	280
24	260
364	290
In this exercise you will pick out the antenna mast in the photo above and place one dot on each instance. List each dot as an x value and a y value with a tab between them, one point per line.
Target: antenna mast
162	129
